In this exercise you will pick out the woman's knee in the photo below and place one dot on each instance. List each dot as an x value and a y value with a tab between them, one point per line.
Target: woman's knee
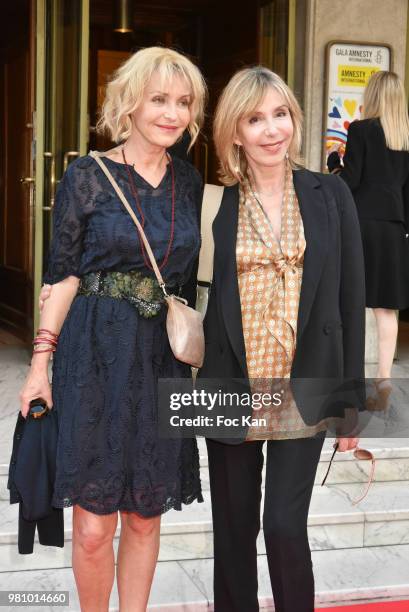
92	532
286	538
385	315
139	525
282	523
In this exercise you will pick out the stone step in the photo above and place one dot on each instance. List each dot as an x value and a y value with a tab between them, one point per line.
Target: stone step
392	464
350	576
380	519
384	449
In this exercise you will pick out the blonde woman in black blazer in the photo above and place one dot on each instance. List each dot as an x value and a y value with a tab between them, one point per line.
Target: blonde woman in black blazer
258	135
376	169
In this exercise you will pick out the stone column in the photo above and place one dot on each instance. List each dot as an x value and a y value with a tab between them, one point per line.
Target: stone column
364	21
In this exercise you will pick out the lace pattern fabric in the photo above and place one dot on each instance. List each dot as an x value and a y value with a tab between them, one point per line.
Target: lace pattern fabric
93	231
109	357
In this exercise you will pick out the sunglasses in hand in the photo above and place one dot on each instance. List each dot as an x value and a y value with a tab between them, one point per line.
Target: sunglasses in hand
362	455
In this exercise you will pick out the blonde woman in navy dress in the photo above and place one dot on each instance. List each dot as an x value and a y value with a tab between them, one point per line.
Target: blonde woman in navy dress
106	318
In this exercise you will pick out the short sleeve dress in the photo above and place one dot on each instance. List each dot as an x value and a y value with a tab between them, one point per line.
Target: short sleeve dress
109	357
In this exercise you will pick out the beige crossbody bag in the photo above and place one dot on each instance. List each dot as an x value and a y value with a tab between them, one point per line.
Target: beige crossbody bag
212	198
184	325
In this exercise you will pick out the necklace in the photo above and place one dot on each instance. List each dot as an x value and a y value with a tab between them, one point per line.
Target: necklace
271	193
135	194
267	195
256	196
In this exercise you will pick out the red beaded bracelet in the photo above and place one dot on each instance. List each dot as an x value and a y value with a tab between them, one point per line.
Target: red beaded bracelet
44	340
47	331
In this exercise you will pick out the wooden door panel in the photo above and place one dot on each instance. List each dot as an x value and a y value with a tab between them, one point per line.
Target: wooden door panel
108	62
16	134
229	43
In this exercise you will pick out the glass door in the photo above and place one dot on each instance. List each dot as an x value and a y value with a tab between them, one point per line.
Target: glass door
61	118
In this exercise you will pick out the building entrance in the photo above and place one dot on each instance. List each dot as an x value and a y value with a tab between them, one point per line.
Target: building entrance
57	56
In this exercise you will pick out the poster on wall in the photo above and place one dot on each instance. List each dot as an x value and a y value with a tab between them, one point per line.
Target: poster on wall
349	66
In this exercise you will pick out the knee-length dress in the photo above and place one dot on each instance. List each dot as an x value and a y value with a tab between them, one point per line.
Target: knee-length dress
379	180
109	357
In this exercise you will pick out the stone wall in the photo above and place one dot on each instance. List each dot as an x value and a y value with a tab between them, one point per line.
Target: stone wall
378	21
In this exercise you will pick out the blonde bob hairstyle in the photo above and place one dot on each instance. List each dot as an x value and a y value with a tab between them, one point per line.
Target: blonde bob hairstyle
384	98
126	89
241	97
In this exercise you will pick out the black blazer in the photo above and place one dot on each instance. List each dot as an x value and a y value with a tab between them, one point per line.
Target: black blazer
331	318
377	176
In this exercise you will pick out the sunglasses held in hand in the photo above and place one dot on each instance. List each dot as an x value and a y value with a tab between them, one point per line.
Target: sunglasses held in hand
362	455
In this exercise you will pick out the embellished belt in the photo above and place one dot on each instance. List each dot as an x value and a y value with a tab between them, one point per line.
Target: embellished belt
142	292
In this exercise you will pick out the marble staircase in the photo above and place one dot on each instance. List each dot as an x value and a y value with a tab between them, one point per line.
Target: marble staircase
359	551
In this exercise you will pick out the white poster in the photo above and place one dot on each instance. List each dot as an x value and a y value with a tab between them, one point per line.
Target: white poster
349	67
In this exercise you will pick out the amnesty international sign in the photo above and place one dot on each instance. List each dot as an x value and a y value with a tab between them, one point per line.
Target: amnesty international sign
349	67
354	76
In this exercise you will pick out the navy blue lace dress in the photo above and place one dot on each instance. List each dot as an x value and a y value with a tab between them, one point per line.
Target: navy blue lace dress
109	357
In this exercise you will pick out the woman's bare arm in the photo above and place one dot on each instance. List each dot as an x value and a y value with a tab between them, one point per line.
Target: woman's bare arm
53	314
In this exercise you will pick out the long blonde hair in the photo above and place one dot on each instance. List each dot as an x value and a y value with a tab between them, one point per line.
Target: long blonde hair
241	96
385	98
126	89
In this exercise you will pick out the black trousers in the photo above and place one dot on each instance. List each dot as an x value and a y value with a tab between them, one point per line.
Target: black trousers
235	485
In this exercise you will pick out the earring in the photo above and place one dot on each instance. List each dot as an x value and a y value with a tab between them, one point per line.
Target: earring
237	166
287	155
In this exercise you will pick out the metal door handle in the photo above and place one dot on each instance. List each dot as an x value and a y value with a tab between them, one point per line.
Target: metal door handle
67	156
51	156
28	179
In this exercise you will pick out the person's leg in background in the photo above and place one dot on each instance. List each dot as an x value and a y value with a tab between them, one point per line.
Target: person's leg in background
235	486
387	327
290	472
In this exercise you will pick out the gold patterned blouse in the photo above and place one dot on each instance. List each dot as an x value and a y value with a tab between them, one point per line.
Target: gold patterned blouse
270	275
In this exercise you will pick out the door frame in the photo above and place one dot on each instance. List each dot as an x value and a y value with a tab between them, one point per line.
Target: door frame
41	35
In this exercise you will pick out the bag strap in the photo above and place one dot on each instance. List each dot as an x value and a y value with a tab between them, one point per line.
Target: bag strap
97	156
212	199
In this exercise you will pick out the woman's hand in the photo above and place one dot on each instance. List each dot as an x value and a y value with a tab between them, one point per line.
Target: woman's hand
36	385
349	427
346	444
44	295
53	315
334	162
